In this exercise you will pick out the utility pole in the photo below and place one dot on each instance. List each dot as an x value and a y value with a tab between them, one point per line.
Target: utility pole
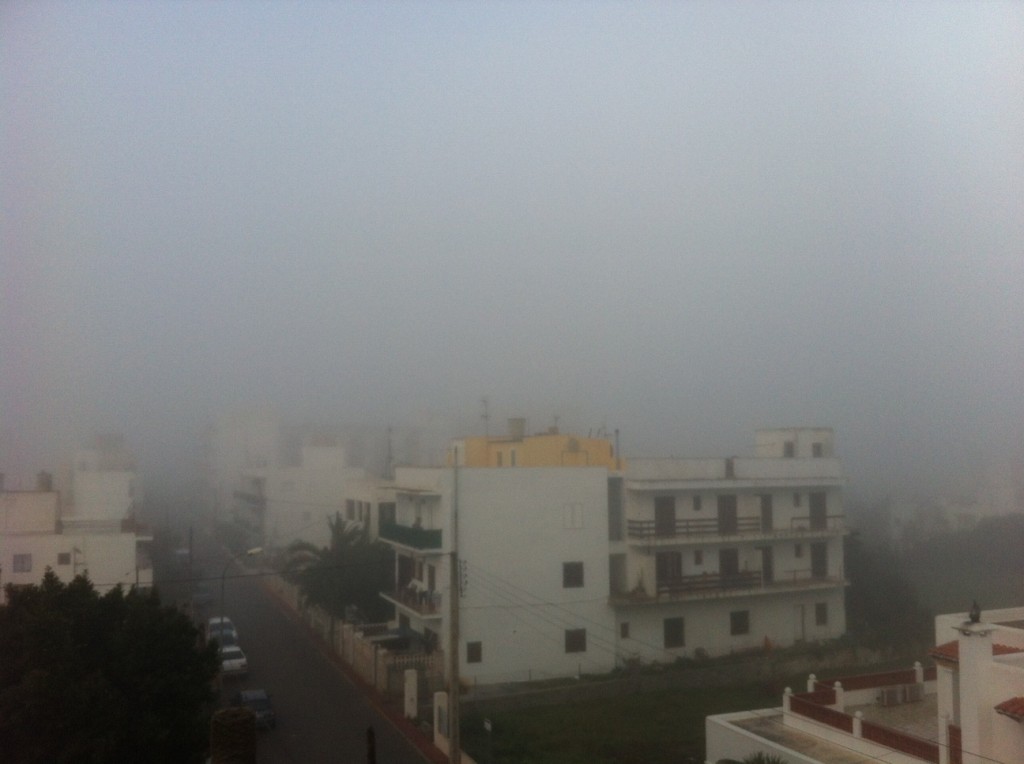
454	684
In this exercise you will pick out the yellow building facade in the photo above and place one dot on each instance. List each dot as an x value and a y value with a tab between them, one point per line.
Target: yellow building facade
547	449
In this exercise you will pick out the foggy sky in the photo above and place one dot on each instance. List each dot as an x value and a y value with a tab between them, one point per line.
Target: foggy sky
684	220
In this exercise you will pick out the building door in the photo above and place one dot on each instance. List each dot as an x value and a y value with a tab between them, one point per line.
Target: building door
767	565
799	623
727	520
819	512
665	516
728	565
767	521
406	569
819	560
668	569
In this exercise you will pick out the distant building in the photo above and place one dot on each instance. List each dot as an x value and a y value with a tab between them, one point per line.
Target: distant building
547	449
90	529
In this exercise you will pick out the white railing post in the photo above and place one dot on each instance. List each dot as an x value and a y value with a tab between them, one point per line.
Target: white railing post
840	704
918	672
786	695
858	719
811	680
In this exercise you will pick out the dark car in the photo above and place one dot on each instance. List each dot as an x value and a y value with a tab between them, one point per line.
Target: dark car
257	701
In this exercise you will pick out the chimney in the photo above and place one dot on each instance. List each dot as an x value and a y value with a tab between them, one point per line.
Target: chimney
44	481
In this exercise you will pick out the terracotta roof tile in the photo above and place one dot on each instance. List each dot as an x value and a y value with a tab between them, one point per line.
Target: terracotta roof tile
950	651
1014	708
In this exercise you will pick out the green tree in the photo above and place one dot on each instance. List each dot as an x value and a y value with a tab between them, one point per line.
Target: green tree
352	571
90	678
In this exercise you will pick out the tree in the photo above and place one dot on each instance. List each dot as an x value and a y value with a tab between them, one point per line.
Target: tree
90	678
352	571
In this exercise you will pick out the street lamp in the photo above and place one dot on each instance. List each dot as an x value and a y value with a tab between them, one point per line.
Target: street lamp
247	553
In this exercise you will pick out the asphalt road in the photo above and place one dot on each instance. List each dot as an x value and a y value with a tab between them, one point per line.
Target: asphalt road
322	715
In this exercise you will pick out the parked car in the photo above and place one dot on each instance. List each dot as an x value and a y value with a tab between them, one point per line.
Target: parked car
257	701
233	661
219	620
225	635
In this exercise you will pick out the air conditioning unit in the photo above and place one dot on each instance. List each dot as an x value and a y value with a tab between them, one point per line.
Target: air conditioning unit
890	696
913	693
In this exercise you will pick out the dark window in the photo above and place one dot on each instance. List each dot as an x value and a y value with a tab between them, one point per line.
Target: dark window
617	573
22	563
796	500
728	522
64	558
790	449
512	460
739	622
665	515
821	613
624	630
675	632
767	522
572	575
474	652
729	563
696	503
499	459
698	557
575	640
819	560
668	568
387	512
818	510
817	450
798	550
615	509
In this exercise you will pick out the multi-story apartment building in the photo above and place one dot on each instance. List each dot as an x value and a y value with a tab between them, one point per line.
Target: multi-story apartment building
719	555
582	568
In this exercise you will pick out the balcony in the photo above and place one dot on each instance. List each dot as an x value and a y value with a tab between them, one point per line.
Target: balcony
716	585
751	528
425	604
411	536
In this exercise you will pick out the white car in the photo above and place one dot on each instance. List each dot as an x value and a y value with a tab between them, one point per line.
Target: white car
233	662
220	621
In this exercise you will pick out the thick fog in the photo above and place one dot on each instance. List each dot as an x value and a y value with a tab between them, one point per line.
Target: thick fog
682	220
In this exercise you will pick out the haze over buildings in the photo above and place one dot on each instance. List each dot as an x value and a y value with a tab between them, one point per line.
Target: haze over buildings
685	220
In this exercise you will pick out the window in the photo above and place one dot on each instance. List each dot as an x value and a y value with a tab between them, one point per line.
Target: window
575	640
624	630
64	558
817	450
572	575
767	523
698	557
798	550
664	515
615	509
796	500
739	622
474	652
821	613
500	459
22	563
696	503
512	458
789	449
675	632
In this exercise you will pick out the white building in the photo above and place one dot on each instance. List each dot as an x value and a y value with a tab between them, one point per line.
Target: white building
38	530
730	555
243	440
533	549
969	709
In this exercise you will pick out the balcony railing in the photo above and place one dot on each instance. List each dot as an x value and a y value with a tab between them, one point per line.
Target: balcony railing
742	526
411	536
717	585
425	603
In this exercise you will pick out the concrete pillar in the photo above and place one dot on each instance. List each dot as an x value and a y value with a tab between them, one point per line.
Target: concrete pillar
858	720
975	710
918	672
840	704
411	693
943	738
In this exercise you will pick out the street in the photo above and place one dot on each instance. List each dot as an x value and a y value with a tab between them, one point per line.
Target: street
322	715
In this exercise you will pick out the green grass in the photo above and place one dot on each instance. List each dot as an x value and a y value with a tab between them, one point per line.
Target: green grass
653	728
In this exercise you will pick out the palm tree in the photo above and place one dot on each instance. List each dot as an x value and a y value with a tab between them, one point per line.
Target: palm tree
351	572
